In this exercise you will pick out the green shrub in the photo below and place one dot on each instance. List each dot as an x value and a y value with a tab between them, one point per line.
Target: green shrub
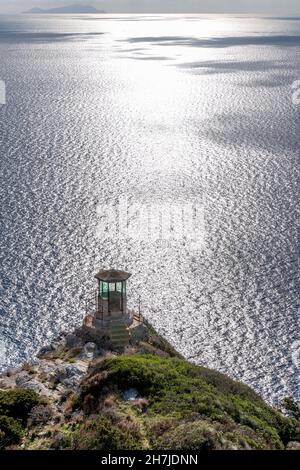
175	388
291	407
189	436
151	375
39	414
18	403
10	431
228	386
99	433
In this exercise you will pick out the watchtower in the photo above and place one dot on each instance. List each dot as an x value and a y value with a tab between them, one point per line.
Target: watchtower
112	298
108	313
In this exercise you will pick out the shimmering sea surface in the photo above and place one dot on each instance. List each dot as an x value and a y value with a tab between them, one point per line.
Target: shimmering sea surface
166	111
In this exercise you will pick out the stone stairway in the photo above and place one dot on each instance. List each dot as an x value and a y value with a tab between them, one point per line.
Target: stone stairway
119	334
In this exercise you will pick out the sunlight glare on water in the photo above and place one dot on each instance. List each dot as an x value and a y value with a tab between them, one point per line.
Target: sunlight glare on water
168	111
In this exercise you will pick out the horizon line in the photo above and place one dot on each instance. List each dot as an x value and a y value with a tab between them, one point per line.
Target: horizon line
257	14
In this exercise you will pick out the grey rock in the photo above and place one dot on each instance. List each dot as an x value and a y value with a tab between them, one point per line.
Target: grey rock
130	394
72	341
36	386
45	350
22	379
69	375
293	445
59	343
90	351
7	383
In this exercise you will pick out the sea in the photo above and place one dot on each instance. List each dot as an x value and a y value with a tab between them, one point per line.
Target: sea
167	146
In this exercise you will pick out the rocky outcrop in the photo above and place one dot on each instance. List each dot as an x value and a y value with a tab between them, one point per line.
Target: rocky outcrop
89	391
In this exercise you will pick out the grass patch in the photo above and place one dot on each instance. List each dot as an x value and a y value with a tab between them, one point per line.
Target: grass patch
212	410
11	431
99	433
17	403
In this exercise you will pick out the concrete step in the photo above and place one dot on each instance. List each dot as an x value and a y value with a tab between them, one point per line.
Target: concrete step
119	334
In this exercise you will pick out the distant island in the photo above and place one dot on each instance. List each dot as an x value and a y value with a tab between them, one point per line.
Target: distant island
64	10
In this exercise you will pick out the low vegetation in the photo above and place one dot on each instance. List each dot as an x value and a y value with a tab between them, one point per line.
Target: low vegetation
146	397
100	433
18	403
15	406
188	407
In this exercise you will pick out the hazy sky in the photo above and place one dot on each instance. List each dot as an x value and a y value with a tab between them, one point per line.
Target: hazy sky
283	7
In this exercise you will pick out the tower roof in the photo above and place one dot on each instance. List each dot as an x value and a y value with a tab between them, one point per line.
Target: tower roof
112	275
